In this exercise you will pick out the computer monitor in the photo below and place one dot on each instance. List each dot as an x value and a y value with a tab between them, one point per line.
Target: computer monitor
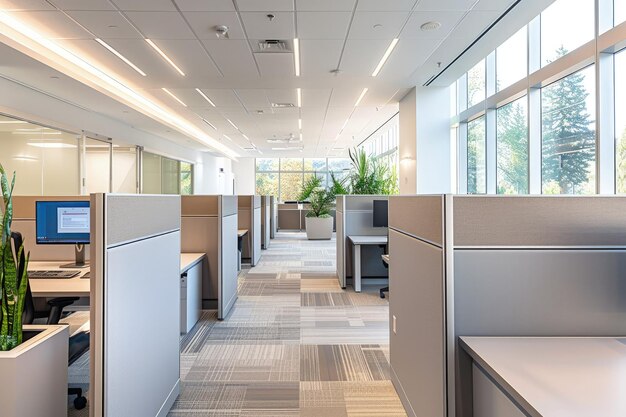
63	223
381	209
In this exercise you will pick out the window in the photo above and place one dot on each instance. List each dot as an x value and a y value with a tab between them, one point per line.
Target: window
619	12
267	164
568	134
267	183
186	178
512	148
125	169
620	122
512	59
290	186
564	27
291	164
476	84
476	175
97	166
315	164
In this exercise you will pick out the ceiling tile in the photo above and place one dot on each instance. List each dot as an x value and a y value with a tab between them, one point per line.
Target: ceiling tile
323	25
377	25
161	25
408	55
315	98
281	95
342	99
265	5
253	98
258	26
11	5
361	56
143	5
101	22
325	5
205	5
204	23
224	98
190	57
319	57
387	6
448	21
474	23
275	65
432	5
233	58
83	5
53	24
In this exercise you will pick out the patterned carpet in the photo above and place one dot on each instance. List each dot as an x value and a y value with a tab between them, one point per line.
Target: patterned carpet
295	344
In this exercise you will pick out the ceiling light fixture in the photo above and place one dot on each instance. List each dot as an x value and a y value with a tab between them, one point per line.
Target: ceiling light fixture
25	158
247	138
11	122
385	57
300	136
34	132
296	55
209	123
173	96
205	97
358	100
81	69
232	124
300	124
51	145
165	57
120	56
299	93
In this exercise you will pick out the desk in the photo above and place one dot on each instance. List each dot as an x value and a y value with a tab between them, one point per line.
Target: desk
359	241
190	290
240	234
548	376
77	286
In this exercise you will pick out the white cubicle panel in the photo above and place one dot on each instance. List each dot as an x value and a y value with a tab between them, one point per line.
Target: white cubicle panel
228	256
135	357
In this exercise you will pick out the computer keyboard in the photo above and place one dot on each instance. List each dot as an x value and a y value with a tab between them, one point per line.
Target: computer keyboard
54	274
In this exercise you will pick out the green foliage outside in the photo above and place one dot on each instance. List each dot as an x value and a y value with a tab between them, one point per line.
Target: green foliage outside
512	149
476	176
369	177
12	285
621	164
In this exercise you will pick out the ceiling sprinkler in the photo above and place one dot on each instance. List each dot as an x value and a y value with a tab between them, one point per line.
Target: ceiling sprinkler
221	31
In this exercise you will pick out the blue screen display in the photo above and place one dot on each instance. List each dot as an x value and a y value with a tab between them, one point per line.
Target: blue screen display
62	222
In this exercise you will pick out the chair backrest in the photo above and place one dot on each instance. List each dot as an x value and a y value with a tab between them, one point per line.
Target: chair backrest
29	307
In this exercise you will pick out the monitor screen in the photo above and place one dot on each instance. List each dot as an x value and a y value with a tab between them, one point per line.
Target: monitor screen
380	213
62	222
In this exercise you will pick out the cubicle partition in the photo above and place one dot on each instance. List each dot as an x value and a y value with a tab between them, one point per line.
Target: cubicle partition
289	216
354	217
265	221
135	265
209	225
496	266
249	216
273	218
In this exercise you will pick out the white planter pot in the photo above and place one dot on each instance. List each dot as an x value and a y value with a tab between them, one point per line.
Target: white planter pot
33	376
318	228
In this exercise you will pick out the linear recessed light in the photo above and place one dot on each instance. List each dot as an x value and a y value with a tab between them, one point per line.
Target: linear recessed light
300	136
120	56
358	100
25	158
51	145
82	69
296	55
337	149
247	138
227	137
165	57
11	122
209	123
299	92
385	57
173	96
300	124
34	132
205	97
232	124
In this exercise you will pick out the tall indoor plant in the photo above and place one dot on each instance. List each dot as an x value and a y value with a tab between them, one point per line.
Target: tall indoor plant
13	272
319	222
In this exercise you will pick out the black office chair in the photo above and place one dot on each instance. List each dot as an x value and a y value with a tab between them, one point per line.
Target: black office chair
78	343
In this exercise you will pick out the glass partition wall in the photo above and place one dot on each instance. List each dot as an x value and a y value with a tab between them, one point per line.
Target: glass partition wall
543	113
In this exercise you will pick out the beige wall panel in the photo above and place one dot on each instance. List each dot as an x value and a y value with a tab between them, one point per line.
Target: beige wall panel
199	205
288	219
420	216
200	235
539	221
244	217
244	201
24	206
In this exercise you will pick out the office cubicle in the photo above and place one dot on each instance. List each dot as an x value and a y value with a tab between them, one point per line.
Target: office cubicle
273	218
265	221
496	266
249	218
289	216
135	266
209	225
354	217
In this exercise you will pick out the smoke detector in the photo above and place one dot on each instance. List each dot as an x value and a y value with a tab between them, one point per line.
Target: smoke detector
221	31
432	25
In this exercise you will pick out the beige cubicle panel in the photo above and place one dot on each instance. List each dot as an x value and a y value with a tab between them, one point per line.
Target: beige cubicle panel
24	222
135	265
249	216
289	216
209	225
496	266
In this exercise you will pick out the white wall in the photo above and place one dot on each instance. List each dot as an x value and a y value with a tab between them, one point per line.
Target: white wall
213	176
407	151
244	172
426	152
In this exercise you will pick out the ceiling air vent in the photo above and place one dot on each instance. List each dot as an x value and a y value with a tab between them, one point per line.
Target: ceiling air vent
282	105
271	46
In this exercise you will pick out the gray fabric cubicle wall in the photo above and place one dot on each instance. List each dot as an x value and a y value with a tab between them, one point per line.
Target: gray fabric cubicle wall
496	266
354	217
134	347
273	219
209	225
249	217
265	221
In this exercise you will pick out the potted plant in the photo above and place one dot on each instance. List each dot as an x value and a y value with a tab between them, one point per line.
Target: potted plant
319	222
33	359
